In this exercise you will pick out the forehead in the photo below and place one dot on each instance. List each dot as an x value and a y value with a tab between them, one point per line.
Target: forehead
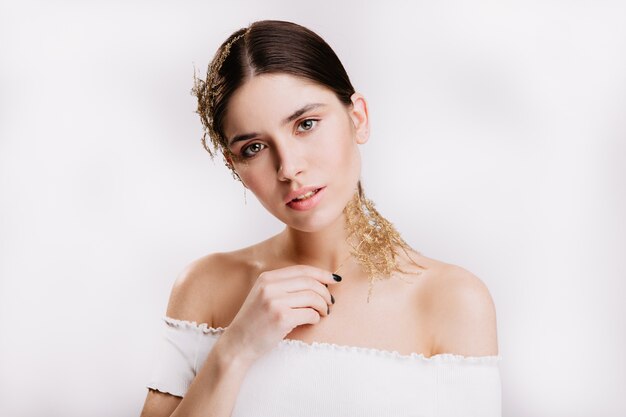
267	99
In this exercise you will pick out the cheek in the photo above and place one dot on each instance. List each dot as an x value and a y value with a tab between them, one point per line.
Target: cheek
339	152
255	176
251	181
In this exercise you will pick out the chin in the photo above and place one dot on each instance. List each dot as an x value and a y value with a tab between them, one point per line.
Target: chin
315	222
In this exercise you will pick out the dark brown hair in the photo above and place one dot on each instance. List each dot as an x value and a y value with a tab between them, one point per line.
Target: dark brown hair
265	47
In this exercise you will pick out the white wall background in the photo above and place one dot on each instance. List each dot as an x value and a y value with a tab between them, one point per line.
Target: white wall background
498	143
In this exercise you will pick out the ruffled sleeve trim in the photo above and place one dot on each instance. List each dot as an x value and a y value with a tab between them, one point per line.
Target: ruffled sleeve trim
438	358
184	324
324	346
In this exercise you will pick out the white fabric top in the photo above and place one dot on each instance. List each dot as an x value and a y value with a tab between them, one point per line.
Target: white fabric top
323	379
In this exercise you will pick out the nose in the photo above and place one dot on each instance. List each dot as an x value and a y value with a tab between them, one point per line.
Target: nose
290	163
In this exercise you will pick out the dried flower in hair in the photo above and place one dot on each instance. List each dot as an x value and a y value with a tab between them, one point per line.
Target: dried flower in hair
206	91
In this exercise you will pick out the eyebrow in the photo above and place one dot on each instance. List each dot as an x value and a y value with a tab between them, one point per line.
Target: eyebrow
286	120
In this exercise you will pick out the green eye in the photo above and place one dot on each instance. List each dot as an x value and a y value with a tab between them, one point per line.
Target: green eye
307	124
251	150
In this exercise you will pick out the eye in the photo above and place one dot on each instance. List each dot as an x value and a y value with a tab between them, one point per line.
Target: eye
251	150
307	124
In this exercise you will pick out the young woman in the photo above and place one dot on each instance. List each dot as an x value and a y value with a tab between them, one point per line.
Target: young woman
336	315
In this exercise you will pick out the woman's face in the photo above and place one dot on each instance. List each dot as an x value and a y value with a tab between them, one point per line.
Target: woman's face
290	136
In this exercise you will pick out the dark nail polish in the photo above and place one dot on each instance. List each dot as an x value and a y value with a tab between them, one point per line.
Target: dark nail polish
332	299
328	310
337	277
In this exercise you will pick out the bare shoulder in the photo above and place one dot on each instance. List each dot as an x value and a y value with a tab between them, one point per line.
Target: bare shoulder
461	310
202	292
206	284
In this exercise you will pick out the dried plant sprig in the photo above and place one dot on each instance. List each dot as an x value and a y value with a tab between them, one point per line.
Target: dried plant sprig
206	92
374	240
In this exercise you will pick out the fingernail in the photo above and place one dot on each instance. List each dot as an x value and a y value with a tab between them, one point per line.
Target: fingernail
337	277
328	310
332	299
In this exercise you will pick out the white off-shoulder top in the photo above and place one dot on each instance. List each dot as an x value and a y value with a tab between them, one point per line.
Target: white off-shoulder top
298	379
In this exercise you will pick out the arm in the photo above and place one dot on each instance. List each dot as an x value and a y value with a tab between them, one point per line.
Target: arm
212	393
214	388
159	404
279	301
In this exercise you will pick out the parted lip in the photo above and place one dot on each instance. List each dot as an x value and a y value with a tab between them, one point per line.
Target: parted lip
300	191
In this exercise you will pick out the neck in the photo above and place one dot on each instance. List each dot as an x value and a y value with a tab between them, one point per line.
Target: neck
326	249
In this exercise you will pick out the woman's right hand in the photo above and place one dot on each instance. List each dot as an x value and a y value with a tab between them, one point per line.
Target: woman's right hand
279	301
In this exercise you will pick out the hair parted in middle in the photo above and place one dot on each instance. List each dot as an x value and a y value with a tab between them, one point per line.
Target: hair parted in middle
264	47
275	46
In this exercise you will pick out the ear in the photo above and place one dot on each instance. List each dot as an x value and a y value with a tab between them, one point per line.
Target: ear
360	117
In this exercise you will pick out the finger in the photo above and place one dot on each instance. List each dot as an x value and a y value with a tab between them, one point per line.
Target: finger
303	284
325	277
300	316
308	298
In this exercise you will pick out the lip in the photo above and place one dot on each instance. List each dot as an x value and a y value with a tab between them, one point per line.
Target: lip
309	203
300	191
